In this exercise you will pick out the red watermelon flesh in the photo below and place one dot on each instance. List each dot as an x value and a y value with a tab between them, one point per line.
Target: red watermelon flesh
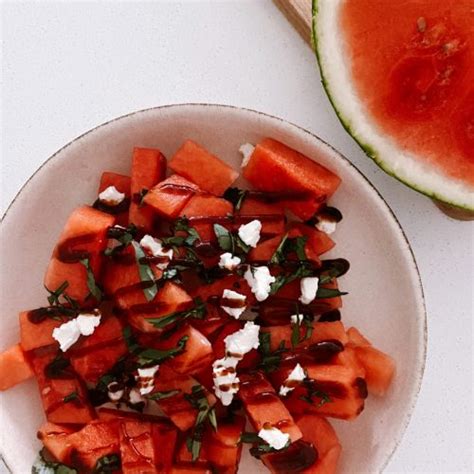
418	82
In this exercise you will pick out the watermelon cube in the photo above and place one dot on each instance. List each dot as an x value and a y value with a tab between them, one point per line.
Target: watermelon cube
203	168
169	197
148	169
275	167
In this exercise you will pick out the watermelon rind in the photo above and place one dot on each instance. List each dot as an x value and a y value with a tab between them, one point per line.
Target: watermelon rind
336	80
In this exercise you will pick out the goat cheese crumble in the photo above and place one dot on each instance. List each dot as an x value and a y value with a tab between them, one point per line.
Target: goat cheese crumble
229	262
296	375
259	280
83	325
309	288
246	151
250	233
233	295
155	247
274	437
111	196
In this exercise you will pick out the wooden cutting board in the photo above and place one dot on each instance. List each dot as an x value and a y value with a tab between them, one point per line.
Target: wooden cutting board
298	13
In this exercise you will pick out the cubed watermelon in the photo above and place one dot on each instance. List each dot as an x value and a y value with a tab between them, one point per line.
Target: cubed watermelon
196	355
177	407
122	184
64	400
203	168
84	237
169	197
55	439
93	442
148	169
275	167
273	221
201	209
318	431
264	407
169	299
37	334
14	367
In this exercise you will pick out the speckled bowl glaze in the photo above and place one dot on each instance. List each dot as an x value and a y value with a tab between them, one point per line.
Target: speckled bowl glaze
385	297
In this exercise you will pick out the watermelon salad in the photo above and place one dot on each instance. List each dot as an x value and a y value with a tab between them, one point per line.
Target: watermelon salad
186	317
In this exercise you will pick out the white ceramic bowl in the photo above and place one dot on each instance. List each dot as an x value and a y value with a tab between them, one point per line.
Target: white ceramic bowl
385	295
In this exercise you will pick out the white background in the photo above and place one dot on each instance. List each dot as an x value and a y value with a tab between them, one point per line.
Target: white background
67	67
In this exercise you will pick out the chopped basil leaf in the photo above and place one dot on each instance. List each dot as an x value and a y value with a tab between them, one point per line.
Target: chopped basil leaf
197	398
95	291
124	235
333	269
247	437
140	196
312	390
329	292
283	279
71	397
224	238
147	276
295	334
53	298
270	361
150	356
108	463
236	196
242	245
279	256
198	312
182	225
44	466
162	395
58	368
289	245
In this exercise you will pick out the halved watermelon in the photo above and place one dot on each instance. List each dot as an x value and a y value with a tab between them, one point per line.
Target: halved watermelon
405	96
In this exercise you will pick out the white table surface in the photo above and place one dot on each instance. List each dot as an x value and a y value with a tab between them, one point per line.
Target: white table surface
68	67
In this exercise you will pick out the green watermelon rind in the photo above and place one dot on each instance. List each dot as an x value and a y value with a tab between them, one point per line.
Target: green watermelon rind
366	147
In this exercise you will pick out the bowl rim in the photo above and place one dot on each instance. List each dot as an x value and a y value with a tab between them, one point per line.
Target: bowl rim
422	317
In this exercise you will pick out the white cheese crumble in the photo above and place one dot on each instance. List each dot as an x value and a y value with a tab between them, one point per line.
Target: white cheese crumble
250	233
226	382
111	196
309	288
326	226
229	262
296	375
296	318
155	247
233	295
114	395
274	437
135	397
259	280
246	151
146	379
243	340
68	333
